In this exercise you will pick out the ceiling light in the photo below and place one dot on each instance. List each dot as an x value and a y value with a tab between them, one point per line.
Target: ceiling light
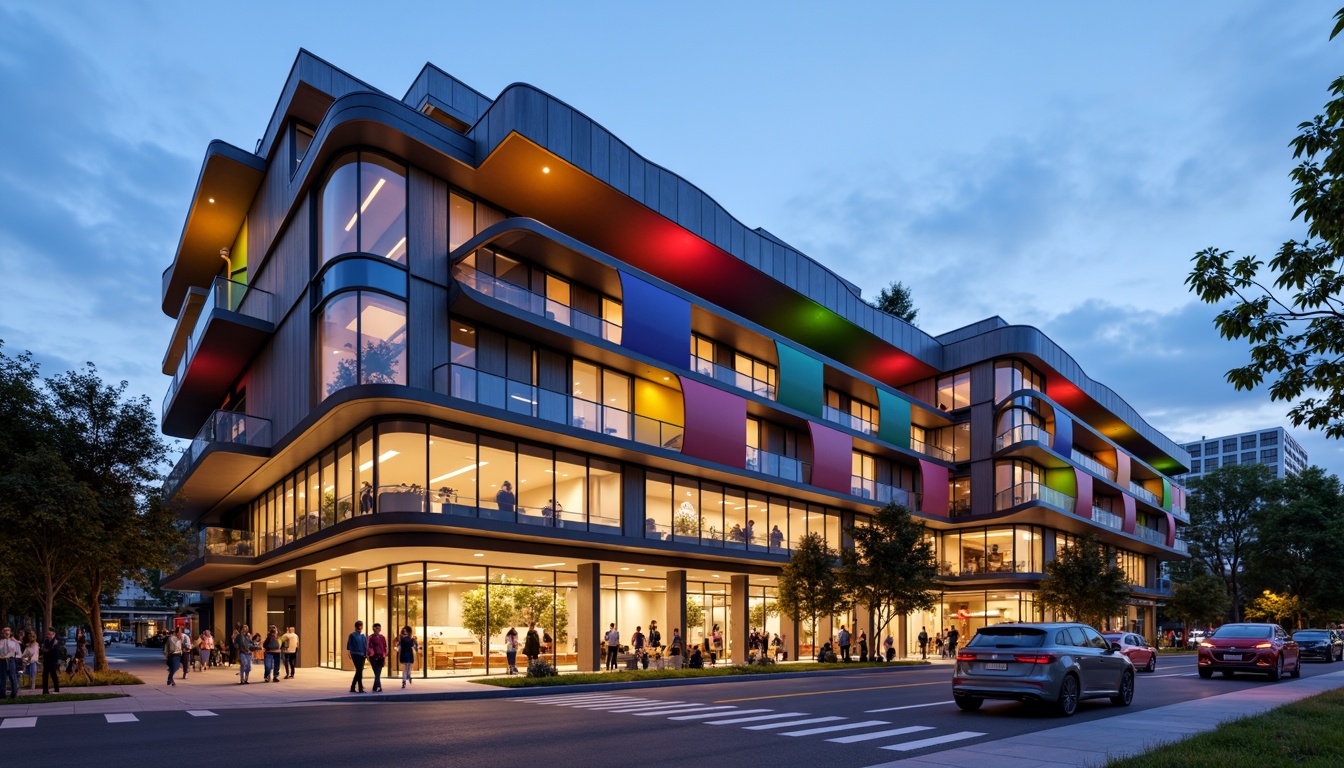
392	254
479	554
457	472
212	200
366	466
544	169
548	565
625	569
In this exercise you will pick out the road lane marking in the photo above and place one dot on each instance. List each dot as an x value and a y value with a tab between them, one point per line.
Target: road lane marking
932	740
609	700
641	707
122	717
717	714
632	703
19	722
881	734
571	698
678	710
791	723
201	713
736	720
907	706
822	693
1173	674
831	728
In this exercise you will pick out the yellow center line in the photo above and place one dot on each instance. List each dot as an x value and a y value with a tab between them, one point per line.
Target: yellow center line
822	693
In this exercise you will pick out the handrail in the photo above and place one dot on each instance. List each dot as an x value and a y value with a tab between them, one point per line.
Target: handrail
930	450
220	427
1106	518
1025	492
849	420
783	467
535	303
882	493
1144	493
1020	434
1094	465
228	295
732	377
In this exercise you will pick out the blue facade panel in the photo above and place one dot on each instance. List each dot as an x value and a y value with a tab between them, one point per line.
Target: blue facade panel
657	323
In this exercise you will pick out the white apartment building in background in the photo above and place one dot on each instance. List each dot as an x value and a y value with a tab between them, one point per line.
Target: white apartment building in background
1274	448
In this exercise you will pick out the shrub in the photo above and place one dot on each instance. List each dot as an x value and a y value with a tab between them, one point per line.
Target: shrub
759	659
108	677
542	668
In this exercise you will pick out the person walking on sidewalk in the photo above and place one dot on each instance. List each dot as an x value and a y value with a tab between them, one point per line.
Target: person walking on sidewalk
270	672
924	643
952	637
511	649
206	647
531	644
843	639
31	650
377	656
357	648
613	646
407	646
242	645
289	646
52	647
10	655
172	653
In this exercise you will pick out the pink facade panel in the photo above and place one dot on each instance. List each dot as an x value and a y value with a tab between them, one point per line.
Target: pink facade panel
832	458
1122	469
1083	506
1171	530
933	478
716	424
1131	517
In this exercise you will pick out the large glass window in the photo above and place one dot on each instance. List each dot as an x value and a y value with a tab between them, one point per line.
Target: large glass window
361	340
402	466
1013	375
954	391
364	208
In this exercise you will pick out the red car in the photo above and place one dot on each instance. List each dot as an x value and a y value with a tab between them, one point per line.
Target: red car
1142	655
1261	648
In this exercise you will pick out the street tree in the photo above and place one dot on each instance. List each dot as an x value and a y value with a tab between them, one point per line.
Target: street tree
896	300
1276	607
1300	542
809	585
485	621
1084	583
892	567
1222	507
1292	315
1199	602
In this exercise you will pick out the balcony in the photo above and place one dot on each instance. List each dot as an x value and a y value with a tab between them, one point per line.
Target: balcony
774	465
516	397
1021	434
536	304
1180	514
1106	518
933	451
226	542
1028	492
847	420
733	378
232	326
882	493
1092	464
1181	545
228	448
1145	494
1151	534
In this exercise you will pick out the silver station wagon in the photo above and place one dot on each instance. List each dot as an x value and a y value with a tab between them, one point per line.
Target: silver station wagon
1058	664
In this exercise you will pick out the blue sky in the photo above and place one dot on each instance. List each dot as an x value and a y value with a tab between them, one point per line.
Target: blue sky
1054	163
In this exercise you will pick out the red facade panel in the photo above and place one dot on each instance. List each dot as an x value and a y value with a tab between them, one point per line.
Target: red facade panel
1083	506
716	424
933	478
1131	516
1171	530
832	458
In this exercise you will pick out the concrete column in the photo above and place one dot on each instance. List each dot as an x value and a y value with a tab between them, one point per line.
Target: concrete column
239	608
260	602
588	627
306	620
738	614
902	638
219	619
676	607
791	630
863	622
349	614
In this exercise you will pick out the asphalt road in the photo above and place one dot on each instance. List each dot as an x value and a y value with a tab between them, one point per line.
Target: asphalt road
854	720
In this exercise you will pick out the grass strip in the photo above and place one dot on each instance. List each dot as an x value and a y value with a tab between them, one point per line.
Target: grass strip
625	676
95	679
1304	733
56	698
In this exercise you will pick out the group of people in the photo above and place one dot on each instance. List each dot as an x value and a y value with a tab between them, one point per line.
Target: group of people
533	644
276	651
373	650
22	656
944	642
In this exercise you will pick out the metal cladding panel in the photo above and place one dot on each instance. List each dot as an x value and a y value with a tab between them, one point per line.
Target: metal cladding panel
832	458
1166	495
1063	442
1083	506
1122	469
716	424
933	478
1171	530
657	324
801	385
1131	516
893	419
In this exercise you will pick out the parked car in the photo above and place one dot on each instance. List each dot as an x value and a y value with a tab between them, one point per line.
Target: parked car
1261	648
1143	655
1059	664
1193	639
109	638
1323	644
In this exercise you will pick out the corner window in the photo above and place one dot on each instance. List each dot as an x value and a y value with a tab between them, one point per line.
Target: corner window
362	340
299	141
364	208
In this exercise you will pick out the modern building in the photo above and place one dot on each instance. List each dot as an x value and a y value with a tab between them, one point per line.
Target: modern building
1274	448
462	363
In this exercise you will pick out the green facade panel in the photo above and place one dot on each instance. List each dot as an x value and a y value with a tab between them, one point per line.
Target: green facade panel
801	378
1166	494
1062	480
893	419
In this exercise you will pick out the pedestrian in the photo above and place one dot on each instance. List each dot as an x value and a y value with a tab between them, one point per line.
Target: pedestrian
357	648
863	646
172	653
31	651
407	646
11	653
676	648
206	648
75	665
377	656
843	639
715	646
613	640
696	661
511	649
242	645
924	643
889	647
952	636
289	647
636	645
531	644
270	671
655	637
52	647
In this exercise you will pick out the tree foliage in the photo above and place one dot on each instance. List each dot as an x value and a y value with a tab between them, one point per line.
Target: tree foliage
896	300
809	585
1300	542
1222	508
513	603
1293	316
891	569
1084	584
1277	608
1201	601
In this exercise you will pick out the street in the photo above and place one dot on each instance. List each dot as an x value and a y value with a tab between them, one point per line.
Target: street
853	720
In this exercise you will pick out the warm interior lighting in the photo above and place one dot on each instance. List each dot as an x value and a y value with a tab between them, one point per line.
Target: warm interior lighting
366	466
548	565
544	169
479	554
363	207
379	323
392	254
457	472
212	200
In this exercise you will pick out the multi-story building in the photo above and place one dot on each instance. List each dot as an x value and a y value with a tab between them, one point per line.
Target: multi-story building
1274	448
460	363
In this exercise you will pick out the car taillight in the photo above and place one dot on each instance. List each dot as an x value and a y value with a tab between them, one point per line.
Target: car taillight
1264	645
965	657
1038	658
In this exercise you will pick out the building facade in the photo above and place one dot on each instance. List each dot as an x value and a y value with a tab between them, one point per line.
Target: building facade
461	363
1274	448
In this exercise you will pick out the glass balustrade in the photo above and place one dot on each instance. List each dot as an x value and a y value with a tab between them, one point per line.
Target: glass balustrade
1027	492
1021	434
1151	534
1182	546
733	378
1108	519
774	465
930	450
882	493
221	427
848	420
223	541
1095	466
536	304
227	295
1145	494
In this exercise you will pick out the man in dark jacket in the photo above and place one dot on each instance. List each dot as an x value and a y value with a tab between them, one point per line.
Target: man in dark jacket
51	661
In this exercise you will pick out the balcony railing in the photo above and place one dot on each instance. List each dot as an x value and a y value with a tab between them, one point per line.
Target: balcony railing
220	427
1106	518
1181	545
1021	434
230	296
783	467
848	420
223	541
1151	534
882	493
1180	514
941	454
1096	466
496	391
1145	494
733	378
536	304
1025	492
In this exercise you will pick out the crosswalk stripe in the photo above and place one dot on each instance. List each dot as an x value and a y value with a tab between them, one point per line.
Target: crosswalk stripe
572	697
931	741
830	728
881	734
736	720
659	705
809	721
611	700
122	717
907	706
619	704
717	714
677	710
19	722
201	713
